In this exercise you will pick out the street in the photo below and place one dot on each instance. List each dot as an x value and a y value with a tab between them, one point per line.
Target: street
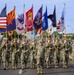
28	71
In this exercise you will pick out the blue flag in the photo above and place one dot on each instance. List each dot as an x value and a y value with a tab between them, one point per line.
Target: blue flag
3	22
38	19
3	12
45	21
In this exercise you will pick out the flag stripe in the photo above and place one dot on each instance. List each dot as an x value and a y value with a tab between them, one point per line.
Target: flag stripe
3	22
2	26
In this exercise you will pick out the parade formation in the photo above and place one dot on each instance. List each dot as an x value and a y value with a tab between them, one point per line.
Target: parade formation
38	52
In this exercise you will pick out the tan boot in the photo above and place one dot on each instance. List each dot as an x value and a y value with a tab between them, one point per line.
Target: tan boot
41	72
33	66
13	68
65	66
6	68
24	66
56	66
47	66
38	72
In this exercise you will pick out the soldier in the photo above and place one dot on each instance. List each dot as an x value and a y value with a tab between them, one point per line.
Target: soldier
5	54
64	53
32	54
40	57
55	58
15	51
73	54
47	55
24	55
19	53
0	52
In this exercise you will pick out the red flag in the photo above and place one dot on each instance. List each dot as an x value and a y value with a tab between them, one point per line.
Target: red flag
38	31
29	19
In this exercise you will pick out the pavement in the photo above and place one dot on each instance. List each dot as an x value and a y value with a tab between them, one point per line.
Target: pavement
28	71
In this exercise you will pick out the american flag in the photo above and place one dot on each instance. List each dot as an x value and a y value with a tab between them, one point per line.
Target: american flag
2	22
3	18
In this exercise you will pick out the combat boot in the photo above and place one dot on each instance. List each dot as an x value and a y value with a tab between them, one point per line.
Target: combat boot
38	72
24	66
7	68
33	66
48	66
41	72
4	68
56	66
13	68
65	66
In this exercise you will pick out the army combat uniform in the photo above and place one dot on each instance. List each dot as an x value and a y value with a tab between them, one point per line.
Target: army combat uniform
73	54
24	57
64	54
40	58
32	55
56	53
48	54
6	55
15	51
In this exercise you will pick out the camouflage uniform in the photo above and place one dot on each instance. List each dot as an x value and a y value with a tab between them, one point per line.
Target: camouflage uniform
32	55
6	55
0	52
73	54
23	56
55	58
64	54
40	58
48	55
15	51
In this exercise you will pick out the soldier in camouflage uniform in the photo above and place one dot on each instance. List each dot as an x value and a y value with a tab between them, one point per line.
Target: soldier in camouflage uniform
55	58
24	57
6	54
40	57
47	55
64	53
19	53
15	51
0	52
32	54
73	54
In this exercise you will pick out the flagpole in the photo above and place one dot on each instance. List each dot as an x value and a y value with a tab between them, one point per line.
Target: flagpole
15	34
6	31
24	19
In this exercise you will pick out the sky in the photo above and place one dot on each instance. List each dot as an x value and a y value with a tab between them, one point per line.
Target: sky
69	16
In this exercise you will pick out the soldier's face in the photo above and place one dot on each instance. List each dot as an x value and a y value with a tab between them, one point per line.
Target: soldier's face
32	43
64	41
